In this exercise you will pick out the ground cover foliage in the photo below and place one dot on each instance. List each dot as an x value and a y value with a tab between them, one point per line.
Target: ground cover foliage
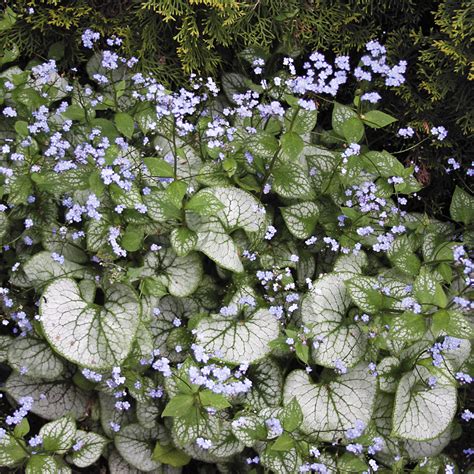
232	281
208	36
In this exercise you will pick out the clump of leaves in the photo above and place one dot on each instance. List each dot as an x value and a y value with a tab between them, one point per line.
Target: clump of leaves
203	276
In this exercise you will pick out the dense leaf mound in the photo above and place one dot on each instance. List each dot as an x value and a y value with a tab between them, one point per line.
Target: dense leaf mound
226	280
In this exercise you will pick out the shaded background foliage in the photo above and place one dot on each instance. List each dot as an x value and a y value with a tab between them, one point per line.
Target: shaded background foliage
206	36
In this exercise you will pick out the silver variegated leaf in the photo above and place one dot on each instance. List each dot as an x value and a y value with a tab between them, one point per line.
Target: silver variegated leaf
283	462
91	447
330	409
51	399
182	274
93	336
301	218
238	341
324	311
349	266
5	342
267	384
135	444
110	416
41	269
214	242
240	209
388	377
224	446
36	357
422	413
58	435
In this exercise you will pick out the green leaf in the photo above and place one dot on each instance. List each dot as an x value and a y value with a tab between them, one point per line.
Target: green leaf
353	130
92	446
19	188
183	240
56	50
238	341
402	257
405	328
124	123
428	291
58	435
75	112
302	352
364	293
423	413
170	455
452	323
12	451
283	443
153	286
22	429
301	218
158	167
10	55
44	464
291	145
205	204
304	122
21	127
381	163
132	239
176	191
377	119
331	408
214	400
324	311
351	463
96	184
462	206
292	416
291	180
8	19
340	114
179	405
98	337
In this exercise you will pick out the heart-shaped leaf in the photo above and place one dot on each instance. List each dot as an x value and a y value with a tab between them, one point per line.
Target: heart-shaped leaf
51	399
238	341
301	218
324	311
90	335
135	444
91	447
330	409
421	413
36	357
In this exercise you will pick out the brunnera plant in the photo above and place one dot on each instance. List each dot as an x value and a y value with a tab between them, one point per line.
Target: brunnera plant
214	277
